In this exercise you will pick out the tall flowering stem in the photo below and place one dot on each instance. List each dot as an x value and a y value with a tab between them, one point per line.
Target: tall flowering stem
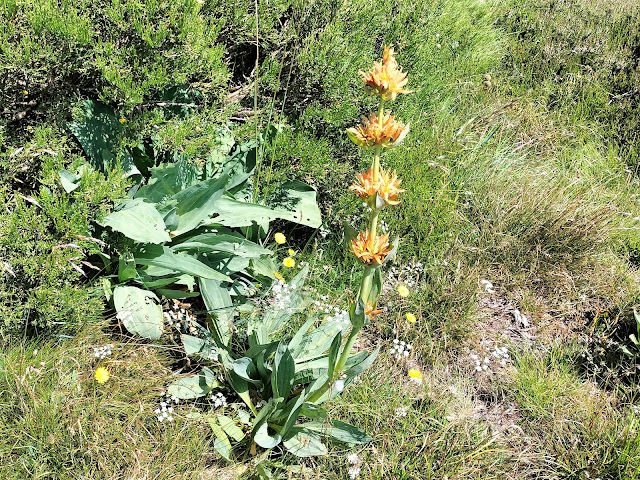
378	188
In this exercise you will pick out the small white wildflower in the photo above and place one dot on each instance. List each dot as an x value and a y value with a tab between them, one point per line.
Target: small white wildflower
354	472
400	412
488	286
219	400
400	349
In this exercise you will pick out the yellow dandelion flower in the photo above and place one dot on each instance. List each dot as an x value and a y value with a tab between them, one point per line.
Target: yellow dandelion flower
289	262
403	291
102	375
279	276
372	133
370	251
122	120
386	78
291	252
25	92
415	375
280	238
411	318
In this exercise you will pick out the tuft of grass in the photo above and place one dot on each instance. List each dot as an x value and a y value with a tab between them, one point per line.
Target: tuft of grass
576	426
56	422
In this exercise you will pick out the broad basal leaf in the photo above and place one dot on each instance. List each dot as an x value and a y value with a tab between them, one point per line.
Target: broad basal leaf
194	386
295	202
194	204
304	443
217	299
138	311
165	257
139	221
99	133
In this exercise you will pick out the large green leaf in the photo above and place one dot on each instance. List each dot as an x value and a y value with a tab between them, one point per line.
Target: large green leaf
295	202
194	386
234	244
194	204
284	369
230	428
166	180
246	369
217	299
265	439
99	132
304	443
164	257
139	221
334	350
221	442
201	347
138	311
316	343
339	431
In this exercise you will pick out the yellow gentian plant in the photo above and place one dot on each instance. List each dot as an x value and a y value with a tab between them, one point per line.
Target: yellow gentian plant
378	188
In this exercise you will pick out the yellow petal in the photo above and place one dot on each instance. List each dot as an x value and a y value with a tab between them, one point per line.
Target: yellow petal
101	375
403	291
411	318
289	262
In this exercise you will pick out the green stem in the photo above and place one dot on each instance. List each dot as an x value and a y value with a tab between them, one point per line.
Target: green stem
366	282
353	335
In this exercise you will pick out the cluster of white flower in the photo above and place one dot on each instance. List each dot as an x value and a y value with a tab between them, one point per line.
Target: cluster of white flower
165	397
400	349
164	412
499	355
334	313
354	465
324	232
400	412
218	400
102	352
408	275
480	364
180	318
282	294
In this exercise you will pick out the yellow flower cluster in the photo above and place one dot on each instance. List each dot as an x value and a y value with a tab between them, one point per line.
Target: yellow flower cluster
370	250
386	78
387	186
379	187
385	132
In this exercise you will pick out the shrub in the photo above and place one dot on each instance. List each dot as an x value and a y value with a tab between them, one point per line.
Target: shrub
45	236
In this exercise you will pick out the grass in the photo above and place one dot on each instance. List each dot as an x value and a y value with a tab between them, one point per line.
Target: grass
520	169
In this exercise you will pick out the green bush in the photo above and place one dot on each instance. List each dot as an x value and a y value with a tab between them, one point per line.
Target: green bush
45	235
